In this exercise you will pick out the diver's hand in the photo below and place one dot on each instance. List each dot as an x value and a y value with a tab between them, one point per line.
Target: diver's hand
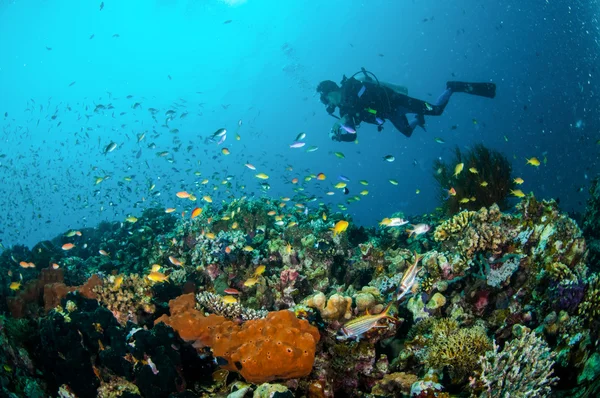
335	132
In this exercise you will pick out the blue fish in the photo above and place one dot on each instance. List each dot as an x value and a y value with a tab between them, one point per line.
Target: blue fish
343	178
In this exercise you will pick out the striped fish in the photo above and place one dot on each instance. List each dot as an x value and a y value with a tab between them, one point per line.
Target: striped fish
409	278
356	327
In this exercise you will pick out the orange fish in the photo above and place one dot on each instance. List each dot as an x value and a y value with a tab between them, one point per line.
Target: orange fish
183	195
68	246
55	266
175	261
294	181
196	212
321	176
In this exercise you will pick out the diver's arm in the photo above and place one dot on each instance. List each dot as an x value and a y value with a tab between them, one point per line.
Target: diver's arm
341	130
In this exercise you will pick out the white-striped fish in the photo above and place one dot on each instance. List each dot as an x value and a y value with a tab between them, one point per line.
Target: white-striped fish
356	327
408	279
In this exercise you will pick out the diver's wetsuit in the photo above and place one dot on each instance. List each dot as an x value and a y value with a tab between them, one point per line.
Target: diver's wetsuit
375	103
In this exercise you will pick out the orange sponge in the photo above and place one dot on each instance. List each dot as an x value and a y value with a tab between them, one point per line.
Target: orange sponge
279	346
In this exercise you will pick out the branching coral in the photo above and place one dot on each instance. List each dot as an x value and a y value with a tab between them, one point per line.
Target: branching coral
215	305
522	369
589	308
456	348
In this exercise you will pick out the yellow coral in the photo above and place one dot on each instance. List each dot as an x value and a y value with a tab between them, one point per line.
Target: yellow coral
337	307
452	226
459	350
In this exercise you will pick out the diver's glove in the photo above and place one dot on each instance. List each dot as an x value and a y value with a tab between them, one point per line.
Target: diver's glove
335	133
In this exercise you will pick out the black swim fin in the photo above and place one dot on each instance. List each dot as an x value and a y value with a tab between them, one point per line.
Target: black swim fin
487	90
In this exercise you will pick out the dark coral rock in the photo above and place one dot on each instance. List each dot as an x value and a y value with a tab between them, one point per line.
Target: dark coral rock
566	295
71	340
591	225
177	364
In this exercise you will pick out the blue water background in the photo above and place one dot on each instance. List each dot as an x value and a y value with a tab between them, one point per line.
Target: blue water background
262	68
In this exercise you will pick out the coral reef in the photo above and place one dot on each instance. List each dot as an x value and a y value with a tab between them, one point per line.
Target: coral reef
214	304
280	293
128	297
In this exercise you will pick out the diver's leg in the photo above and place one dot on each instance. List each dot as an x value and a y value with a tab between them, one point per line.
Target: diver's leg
481	89
420	107
401	123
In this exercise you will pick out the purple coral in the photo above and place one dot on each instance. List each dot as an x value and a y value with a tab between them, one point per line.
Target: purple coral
566	294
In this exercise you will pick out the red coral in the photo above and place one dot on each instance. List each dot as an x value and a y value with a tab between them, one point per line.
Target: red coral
280	346
47	291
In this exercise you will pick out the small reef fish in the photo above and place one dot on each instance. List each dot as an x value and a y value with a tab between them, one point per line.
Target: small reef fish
196	212
408	279
232	291
393	222
474	170
418	229
131	219
262	176
183	195
229	299
68	246
517	192
518	181
103	253
458	169
207	199
533	161
484	184
14	286
339	227
155	267
357	327
156	276
297	144
25	264
340	185
175	261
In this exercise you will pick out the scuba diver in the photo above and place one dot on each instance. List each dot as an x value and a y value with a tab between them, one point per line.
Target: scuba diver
366	99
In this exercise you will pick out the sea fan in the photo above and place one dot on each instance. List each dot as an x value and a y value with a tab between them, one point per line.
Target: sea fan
484	180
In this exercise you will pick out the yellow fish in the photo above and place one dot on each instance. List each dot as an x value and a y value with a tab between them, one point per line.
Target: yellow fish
340	185
473	170
157	277
155	267
484	184
365	192
340	227
364	182
518	181
260	270
458	168
14	286
248	248
210	235
250	282
533	161
324	216
229	299
517	192
207	199
262	176
464	200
